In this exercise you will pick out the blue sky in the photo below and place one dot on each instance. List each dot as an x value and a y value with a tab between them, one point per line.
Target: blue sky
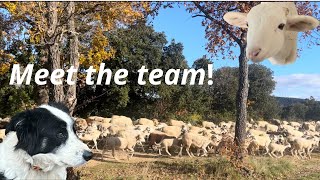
301	79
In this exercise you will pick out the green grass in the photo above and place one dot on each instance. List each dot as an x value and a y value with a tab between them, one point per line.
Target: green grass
268	168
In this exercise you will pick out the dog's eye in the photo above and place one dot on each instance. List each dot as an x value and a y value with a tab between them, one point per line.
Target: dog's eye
281	26
247	24
60	135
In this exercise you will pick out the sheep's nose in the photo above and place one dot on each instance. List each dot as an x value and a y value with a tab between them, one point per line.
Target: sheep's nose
253	53
87	155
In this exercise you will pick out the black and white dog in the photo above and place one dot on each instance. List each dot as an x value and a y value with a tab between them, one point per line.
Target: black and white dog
40	144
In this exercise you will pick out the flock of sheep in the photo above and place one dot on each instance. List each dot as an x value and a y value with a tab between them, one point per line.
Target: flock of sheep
121	133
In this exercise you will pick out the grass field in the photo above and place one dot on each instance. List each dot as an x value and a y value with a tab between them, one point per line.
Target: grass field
150	166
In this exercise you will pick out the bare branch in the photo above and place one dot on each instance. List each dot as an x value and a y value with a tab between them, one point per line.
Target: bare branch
198	15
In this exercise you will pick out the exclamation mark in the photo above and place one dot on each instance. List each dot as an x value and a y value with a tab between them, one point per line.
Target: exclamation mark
210	69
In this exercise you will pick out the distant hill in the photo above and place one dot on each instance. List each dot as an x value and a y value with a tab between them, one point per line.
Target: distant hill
287	101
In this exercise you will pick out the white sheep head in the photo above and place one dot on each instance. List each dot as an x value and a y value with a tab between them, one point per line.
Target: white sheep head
272	30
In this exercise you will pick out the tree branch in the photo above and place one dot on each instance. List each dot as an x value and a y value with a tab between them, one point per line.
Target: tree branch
198	15
224	27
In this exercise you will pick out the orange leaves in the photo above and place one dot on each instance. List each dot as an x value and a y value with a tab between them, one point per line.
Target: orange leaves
4	68
10	6
98	52
106	17
5	62
117	13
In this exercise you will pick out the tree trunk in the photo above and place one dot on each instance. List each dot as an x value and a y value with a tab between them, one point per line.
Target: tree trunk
242	96
43	90
57	94
71	96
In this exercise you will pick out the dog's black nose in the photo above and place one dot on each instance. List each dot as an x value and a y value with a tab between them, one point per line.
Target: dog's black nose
87	155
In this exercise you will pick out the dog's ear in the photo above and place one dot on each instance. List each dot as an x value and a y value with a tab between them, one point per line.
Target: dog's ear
25	127
16	121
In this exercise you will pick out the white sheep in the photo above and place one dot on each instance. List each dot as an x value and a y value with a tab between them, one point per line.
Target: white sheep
255	132
286	127
207	124
80	124
302	145
166	143
115	129
285	122
104	128
145	127
121	121
312	133
272	30
294	124
309	126
196	140
173	131
127	143
98	119
129	133
173	122
295	133
262	141
219	130
215	140
271	127
226	125
262	124
147	122
196	130
274	147
90	135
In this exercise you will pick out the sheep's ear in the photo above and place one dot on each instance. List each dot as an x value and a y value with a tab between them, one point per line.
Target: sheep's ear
286	11
236	19
301	23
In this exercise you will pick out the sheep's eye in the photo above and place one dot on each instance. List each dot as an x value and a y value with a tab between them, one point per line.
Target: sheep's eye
60	135
281	26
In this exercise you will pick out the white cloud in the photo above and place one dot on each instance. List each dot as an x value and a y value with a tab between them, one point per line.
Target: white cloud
298	86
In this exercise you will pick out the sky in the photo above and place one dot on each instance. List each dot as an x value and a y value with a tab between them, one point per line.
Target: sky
298	80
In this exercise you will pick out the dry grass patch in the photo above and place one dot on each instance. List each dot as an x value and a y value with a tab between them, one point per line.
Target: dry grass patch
203	168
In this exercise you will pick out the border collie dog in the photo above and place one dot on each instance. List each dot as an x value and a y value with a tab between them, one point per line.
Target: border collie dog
40	144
